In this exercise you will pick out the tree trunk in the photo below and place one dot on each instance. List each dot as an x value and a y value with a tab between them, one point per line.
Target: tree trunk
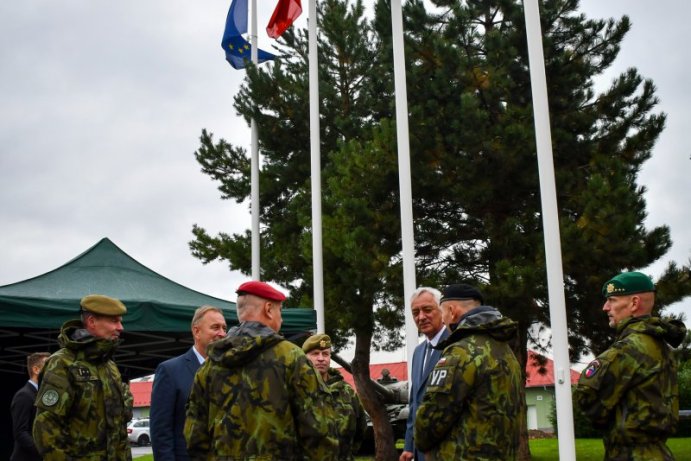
385	449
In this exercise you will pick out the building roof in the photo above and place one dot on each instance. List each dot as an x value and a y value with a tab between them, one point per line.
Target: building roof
141	391
535	377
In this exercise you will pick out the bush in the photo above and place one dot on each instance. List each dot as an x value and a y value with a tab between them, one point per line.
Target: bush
582	426
684	428
684	377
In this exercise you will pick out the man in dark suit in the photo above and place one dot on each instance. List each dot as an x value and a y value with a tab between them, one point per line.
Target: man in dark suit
23	411
424	304
172	384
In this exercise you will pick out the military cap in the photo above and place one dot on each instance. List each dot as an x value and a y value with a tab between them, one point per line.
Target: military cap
102	305
261	289
460	291
316	342
627	283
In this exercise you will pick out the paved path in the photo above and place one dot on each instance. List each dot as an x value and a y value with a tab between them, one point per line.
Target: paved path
140	451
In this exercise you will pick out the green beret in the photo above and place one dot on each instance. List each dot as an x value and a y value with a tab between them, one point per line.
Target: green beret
316	342
627	283
102	305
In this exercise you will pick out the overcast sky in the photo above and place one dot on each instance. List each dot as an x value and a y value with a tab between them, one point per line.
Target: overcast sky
102	104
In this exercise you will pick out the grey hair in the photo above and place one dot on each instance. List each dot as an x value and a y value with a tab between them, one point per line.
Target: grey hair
247	306
433	291
201	312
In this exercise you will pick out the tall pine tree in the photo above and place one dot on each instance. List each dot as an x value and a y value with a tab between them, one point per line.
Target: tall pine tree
359	180
475	179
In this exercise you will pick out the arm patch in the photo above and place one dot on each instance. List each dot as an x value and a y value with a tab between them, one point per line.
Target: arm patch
592	369
54	392
438	377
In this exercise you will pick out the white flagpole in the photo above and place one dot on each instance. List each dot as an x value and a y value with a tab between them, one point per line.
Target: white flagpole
550	223
406	196
315	154
254	144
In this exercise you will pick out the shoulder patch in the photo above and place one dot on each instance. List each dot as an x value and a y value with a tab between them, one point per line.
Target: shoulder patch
591	369
50	397
438	376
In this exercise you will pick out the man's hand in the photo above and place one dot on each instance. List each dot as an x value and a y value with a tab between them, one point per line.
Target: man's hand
406	456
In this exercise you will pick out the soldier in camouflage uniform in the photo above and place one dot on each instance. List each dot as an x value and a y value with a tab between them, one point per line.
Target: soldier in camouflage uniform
471	408
257	396
630	391
82	404
352	422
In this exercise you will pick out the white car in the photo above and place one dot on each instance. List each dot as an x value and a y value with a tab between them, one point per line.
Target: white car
138	432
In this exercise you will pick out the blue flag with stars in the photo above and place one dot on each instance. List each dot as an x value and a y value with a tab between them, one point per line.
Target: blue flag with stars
237	49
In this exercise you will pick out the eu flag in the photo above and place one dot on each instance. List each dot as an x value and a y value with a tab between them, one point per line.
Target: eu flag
237	49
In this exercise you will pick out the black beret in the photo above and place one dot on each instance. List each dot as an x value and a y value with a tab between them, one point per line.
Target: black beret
461	291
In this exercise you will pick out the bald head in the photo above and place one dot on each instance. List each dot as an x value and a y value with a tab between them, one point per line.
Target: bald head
647	301
254	308
453	309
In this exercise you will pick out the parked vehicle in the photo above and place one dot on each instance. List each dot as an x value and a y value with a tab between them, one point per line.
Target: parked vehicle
138	432
395	396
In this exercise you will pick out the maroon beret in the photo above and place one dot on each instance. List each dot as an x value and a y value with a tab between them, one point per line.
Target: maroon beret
261	289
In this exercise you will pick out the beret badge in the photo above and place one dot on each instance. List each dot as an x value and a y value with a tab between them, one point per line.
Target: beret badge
628	283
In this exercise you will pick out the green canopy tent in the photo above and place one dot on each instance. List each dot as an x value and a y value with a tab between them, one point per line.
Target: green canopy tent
158	317
157	324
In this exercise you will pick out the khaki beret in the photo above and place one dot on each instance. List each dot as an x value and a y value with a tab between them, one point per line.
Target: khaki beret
627	283
102	305
316	342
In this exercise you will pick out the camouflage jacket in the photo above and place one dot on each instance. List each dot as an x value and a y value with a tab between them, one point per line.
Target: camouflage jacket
630	391
352	422
257	397
82	404
472	406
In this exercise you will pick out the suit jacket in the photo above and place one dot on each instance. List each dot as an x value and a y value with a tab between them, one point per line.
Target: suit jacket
172	384
418	383
23	413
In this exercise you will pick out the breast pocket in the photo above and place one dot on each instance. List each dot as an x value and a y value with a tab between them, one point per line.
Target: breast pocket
87	393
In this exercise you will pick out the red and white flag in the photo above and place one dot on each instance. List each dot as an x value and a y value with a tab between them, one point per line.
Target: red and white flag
286	12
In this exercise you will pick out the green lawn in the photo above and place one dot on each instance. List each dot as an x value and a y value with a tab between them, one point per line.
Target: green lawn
592	449
548	450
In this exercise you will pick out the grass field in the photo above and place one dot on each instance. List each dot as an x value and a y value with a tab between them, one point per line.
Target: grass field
592	449
548	450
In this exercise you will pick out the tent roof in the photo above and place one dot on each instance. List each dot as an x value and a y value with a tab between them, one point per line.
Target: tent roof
159	311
